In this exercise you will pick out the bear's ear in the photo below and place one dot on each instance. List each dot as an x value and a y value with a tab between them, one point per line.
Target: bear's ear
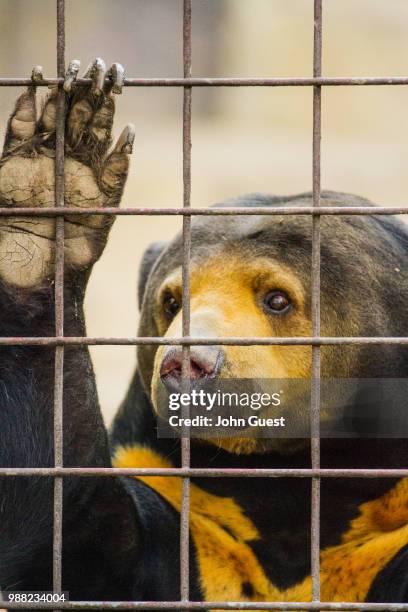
149	258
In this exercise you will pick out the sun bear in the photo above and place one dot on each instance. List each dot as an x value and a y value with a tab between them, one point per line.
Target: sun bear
250	276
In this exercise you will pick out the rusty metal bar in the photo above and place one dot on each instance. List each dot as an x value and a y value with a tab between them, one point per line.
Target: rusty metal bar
188	212
207	472
59	301
225	82
315	308
188	341
185	441
207	605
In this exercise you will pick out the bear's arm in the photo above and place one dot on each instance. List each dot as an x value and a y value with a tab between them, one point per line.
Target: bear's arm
101	543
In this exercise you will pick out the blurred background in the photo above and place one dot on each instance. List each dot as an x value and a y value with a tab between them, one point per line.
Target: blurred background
244	139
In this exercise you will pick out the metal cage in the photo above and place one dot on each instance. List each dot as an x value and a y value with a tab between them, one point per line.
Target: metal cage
59	341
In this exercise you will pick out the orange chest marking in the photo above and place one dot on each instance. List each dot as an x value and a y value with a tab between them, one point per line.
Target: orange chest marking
229	569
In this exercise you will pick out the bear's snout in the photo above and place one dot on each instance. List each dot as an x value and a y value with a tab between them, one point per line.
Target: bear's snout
205	362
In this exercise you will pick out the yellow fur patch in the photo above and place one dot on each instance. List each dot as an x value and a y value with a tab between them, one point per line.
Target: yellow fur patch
222	533
226	296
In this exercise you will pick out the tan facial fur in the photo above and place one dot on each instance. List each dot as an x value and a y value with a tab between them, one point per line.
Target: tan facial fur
226	300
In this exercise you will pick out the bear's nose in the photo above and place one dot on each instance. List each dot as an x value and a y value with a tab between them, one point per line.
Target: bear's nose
205	362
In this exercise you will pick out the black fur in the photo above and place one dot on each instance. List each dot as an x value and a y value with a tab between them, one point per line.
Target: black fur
391	584
98	560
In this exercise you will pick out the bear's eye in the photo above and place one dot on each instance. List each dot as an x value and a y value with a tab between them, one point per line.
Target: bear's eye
171	305
277	302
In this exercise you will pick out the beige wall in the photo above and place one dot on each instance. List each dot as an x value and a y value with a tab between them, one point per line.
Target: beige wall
243	139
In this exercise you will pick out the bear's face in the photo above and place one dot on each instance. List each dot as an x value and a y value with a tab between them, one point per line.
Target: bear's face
250	276
232	295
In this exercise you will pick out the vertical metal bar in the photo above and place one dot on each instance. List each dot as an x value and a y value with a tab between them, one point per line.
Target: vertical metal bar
185	442
315	396
59	302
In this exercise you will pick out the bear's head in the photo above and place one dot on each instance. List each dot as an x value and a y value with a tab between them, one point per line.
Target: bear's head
251	276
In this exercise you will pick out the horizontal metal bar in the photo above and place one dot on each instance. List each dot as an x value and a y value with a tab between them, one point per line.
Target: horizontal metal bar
189	341
259	210
223	82
210	605
204	472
